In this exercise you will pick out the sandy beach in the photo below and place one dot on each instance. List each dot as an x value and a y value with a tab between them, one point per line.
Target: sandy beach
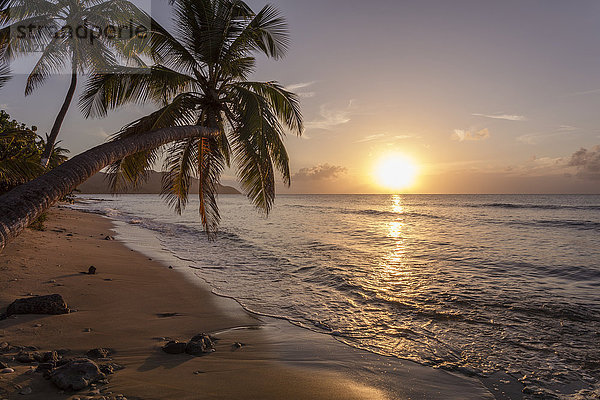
134	304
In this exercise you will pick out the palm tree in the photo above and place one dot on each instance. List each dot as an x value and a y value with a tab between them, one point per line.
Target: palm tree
200	78
4	74
209	114
61	47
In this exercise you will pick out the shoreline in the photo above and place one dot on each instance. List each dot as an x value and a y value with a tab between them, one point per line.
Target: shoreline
122	307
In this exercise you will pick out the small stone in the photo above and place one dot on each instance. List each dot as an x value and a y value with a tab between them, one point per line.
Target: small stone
26	357
109	238
98	353
52	281
199	345
69	234
6	371
92	270
4	347
174	347
87	330
26	390
236	346
110	368
3	365
37	326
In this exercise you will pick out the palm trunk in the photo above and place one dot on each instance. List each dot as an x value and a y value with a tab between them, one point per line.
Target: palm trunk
59	121
22	205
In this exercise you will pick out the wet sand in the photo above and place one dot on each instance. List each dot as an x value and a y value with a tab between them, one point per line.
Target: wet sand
127	305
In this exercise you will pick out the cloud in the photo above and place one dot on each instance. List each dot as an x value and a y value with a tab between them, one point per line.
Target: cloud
301	85
370	138
567	128
320	172
507	117
587	163
535	138
461	135
330	118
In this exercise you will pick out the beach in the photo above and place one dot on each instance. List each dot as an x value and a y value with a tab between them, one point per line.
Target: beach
134	304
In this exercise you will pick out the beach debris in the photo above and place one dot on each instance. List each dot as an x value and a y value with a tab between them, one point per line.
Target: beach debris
199	345
109	238
6	371
91	270
98	353
26	390
236	346
110	368
76	374
52	304
174	347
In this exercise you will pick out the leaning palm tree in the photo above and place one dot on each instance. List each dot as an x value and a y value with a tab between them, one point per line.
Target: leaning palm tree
209	113
55	32
4	74
201	78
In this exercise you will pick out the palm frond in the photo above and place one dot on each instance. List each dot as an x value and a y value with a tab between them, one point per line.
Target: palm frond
4	73
53	59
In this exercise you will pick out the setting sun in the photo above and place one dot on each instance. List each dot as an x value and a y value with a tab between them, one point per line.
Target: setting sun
396	172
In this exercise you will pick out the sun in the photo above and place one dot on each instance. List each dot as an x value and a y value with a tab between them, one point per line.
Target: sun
396	172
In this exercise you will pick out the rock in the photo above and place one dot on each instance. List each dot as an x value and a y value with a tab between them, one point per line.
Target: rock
26	357
50	357
110	368
45	367
7	371
174	347
92	270
200	344
37	326
3	365
26	390
52	304
109	238
98	353
76	375
87	330
236	346
4	347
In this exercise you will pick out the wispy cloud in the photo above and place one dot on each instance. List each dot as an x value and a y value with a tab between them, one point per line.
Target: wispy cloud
371	138
507	117
461	135
302	85
535	138
331	117
320	172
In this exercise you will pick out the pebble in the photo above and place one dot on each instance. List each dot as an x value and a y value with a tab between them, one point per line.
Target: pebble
7	371
37	326
26	390
87	330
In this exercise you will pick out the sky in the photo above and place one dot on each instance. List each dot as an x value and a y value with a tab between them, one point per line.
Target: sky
481	96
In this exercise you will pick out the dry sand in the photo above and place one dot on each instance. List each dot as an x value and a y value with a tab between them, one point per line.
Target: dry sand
122	306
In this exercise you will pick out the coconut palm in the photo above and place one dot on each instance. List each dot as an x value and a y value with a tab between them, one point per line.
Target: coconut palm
4	74
55	24
209	112
201	77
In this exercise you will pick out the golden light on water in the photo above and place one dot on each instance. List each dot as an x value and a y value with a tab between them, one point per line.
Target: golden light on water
396	172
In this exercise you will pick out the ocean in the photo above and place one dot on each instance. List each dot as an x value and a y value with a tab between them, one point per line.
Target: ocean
477	284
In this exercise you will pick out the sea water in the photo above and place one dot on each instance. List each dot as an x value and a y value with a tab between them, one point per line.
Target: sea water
478	284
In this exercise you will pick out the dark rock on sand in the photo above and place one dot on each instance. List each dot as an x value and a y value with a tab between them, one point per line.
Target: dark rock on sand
92	270
199	345
236	346
50	357
111	368
76	375
4	347
3	365
174	347
45	367
109	238
27	357
98	353
52	304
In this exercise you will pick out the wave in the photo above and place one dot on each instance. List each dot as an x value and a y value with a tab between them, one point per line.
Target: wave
534	206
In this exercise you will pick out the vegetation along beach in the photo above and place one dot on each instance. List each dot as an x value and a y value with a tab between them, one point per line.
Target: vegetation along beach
219	199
